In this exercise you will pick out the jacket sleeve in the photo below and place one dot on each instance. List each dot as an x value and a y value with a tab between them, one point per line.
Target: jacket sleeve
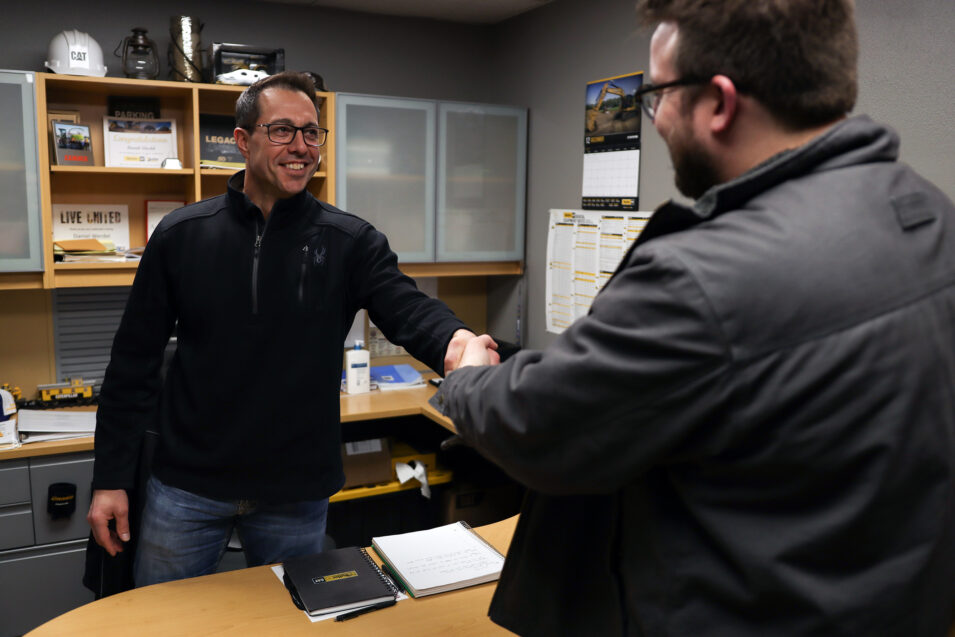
131	386
406	315
630	385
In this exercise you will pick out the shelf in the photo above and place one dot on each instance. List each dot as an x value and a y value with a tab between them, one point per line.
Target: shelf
437	476
80	275
21	281
228	172
114	85
477	268
132	264
113	170
53	447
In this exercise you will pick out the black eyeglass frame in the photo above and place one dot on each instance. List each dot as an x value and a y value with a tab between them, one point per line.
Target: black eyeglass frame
653	89
268	133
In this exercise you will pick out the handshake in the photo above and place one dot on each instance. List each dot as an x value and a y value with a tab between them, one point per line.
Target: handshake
467	348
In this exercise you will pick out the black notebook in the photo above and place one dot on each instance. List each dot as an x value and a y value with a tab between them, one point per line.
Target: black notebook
337	581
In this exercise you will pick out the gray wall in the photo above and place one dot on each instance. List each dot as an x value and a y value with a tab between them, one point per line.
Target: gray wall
545	58
541	60
352	51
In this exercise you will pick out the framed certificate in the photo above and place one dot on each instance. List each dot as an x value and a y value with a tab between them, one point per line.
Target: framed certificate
156	210
139	143
107	223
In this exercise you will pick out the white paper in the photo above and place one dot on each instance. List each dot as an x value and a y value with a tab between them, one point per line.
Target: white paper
57	421
418	472
37	437
439	556
611	174
584	248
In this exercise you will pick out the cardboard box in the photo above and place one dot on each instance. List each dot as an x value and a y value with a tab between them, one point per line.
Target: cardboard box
367	462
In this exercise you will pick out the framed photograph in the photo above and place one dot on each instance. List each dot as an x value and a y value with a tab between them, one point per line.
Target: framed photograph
72	143
156	210
57	115
139	143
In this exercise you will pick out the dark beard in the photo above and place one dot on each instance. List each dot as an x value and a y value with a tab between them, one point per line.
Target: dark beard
695	171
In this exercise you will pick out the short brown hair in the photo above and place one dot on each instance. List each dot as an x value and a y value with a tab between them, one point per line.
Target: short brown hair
247	106
797	57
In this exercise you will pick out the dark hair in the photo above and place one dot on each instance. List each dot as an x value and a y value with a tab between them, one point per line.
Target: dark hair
247	106
797	57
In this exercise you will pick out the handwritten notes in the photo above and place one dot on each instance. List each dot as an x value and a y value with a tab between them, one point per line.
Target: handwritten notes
439	559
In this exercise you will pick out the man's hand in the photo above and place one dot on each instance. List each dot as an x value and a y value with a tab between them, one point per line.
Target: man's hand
456	348
110	504
480	350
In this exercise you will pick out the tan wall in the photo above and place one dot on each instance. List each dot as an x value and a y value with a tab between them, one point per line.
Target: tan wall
26	339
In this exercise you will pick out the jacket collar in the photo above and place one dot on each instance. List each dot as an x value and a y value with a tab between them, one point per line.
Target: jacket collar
241	203
856	140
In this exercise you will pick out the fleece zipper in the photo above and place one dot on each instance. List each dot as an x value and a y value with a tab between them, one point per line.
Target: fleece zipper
256	251
301	278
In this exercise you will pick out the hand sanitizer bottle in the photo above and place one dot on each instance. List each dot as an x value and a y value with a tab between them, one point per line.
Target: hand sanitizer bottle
357	370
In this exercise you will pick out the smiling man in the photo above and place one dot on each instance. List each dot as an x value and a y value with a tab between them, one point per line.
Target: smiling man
279	136
752	432
261	285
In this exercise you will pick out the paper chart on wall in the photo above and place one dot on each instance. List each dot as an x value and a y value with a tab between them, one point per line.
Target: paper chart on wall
584	248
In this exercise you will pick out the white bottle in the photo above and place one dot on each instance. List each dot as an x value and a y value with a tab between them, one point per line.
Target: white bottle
357	370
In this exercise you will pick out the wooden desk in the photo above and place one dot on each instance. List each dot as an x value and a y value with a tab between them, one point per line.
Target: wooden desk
252	601
374	405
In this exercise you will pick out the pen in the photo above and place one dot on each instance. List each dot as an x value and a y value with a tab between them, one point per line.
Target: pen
394	577
366	609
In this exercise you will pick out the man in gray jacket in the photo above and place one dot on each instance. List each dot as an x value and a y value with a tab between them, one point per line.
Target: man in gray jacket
753	430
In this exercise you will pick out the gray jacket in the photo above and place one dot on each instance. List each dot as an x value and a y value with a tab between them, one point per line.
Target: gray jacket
753	431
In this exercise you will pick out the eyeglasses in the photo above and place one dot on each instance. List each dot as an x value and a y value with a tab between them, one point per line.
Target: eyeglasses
649	95
285	133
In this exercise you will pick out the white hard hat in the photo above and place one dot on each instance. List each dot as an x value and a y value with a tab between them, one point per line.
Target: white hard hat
75	53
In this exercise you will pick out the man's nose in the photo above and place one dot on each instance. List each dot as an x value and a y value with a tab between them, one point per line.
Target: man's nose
298	144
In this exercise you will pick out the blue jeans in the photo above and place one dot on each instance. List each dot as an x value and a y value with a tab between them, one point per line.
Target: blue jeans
184	535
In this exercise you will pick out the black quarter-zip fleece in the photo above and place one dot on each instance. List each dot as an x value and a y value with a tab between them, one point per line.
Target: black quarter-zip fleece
250	404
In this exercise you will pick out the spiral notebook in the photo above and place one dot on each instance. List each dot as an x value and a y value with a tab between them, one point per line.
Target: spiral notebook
441	559
336	581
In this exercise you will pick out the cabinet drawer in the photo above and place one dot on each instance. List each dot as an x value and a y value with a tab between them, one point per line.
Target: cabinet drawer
16	526
40	583
75	468
14	482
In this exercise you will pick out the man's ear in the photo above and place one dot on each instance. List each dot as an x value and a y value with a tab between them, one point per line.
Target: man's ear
727	104
242	141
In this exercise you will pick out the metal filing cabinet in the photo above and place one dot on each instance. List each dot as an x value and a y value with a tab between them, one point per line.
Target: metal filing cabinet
41	557
16	512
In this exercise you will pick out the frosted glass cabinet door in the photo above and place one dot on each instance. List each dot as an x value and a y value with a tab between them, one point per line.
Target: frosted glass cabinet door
20	243
385	157
482	153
